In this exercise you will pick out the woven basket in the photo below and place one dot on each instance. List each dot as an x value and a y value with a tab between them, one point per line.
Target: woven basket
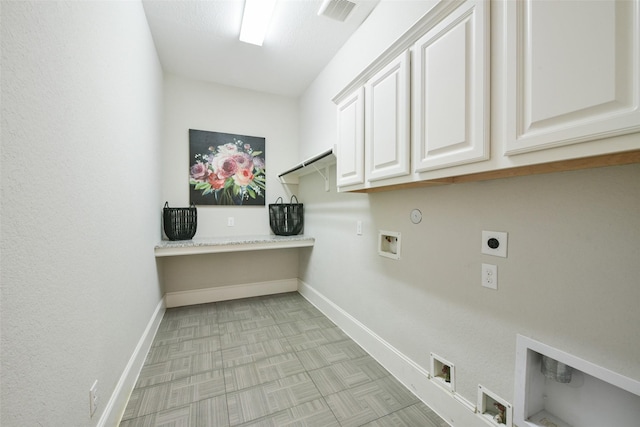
179	223
286	219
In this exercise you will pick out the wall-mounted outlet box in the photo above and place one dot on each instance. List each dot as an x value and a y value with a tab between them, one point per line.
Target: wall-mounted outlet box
389	244
494	243
493	409
443	372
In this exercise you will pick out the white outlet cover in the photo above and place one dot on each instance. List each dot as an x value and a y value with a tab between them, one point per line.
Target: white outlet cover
490	276
501	249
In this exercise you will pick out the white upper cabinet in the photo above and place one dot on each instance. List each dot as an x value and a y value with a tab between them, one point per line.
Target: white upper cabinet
450	89
350	144
573	72
387	133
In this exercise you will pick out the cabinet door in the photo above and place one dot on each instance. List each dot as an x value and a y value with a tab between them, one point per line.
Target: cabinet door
572	72
350	146
387	121
451	90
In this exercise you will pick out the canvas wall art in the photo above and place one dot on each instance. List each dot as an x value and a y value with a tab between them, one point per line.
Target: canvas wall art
226	169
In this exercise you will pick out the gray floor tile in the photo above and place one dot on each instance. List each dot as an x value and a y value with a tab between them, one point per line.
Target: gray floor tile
271	361
183	349
205	413
247	324
211	412
315	338
235	339
412	416
241	355
315	413
262	371
188	333
195	388
186	322
325	355
241	310
173	417
170	395
285	299
190	310
348	374
368	402
145	401
305	325
251	404
179	368
291	314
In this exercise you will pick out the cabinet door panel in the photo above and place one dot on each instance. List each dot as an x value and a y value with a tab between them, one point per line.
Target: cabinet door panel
451	90
350	146
387	121
573	72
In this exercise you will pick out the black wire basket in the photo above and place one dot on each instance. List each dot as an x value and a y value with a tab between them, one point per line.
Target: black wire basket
286	219
179	223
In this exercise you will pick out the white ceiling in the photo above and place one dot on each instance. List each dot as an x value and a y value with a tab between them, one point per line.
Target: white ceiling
198	39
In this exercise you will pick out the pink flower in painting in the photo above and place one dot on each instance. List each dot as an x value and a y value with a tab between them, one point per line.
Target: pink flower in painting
243	177
258	162
216	183
199	171
227	168
243	160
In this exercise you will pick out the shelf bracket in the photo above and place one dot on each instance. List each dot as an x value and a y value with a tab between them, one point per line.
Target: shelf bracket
284	181
324	175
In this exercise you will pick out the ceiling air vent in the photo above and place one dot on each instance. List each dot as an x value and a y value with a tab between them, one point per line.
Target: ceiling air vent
336	9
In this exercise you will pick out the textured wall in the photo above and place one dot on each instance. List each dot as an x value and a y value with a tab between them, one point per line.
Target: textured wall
191	104
81	119
570	280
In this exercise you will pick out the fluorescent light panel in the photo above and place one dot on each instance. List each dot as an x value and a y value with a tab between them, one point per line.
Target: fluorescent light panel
255	20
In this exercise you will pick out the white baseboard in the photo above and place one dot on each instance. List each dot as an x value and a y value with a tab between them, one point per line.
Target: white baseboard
224	293
117	403
452	407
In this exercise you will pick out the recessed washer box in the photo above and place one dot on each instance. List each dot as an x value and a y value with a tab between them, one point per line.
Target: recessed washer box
443	372
389	244
554	388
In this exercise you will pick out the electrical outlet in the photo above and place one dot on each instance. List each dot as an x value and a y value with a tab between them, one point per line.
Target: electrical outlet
359	228
490	276
494	243
231	221
93	398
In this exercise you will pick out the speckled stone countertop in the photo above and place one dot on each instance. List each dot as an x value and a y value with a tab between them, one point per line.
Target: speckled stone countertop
230	244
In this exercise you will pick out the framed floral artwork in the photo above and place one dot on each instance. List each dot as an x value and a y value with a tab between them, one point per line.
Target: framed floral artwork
226	169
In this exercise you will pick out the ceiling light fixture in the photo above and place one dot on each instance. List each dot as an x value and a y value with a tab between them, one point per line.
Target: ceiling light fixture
255	20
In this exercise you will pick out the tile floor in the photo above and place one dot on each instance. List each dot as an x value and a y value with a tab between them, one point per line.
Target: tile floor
265	362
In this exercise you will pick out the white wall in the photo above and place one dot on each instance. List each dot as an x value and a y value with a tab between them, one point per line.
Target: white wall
571	278
191	104
81	123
